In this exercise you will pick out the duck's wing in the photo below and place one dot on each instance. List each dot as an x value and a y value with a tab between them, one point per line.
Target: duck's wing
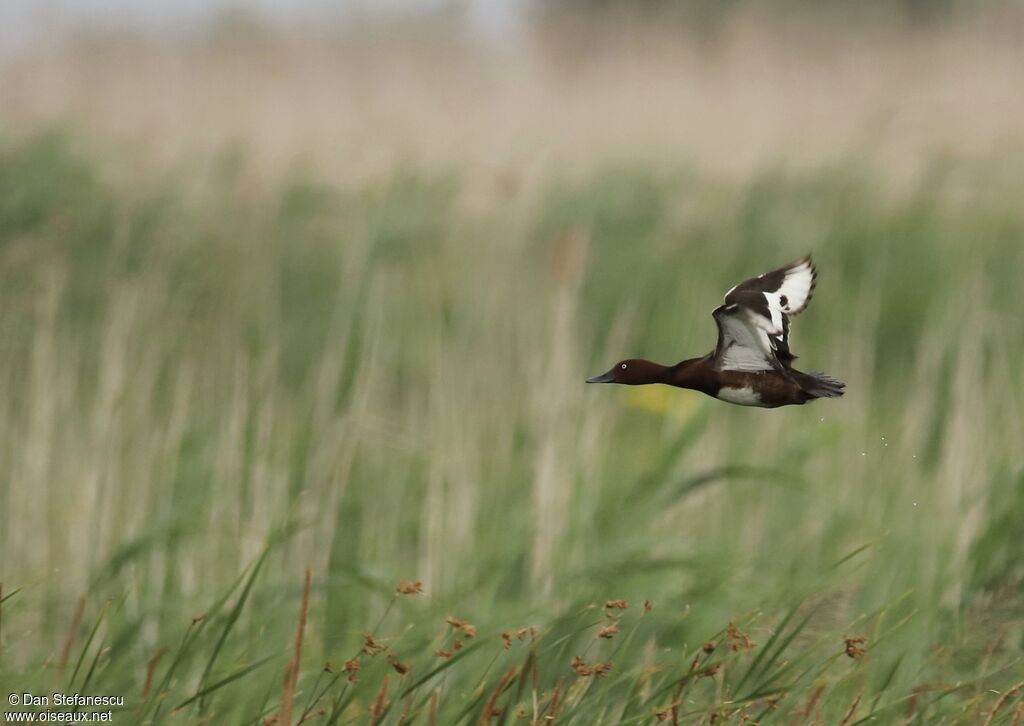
767	301
743	345
776	294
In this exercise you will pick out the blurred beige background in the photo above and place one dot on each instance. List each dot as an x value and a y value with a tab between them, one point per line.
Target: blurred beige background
501	88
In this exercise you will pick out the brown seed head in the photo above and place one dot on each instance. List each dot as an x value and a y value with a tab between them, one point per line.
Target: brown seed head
352	668
400	667
738	640
409	588
468	629
584	670
616	605
371	646
648	606
855	646
608	632
519	634
709	647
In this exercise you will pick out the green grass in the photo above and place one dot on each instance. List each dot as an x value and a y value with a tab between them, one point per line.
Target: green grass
210	383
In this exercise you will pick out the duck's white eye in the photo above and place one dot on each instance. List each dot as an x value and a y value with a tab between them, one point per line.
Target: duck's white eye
623	366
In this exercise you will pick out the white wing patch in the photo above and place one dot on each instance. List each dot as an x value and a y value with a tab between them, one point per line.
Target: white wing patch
791	297
746	396
744	345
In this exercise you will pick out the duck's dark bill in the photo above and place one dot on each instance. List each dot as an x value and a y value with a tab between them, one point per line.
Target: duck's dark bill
608	377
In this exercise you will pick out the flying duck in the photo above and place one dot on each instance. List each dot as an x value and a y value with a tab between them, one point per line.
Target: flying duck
752	363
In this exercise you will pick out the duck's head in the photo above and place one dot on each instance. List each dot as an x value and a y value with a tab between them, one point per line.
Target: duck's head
632	372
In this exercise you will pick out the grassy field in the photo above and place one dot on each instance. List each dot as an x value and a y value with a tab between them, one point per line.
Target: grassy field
205	395
285	445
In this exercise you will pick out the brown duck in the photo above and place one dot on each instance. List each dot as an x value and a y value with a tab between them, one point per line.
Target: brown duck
752	363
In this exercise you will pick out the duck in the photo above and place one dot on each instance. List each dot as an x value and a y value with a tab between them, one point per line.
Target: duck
752	363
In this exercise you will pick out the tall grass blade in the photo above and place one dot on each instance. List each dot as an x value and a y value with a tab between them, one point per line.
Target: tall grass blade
229	623
240	673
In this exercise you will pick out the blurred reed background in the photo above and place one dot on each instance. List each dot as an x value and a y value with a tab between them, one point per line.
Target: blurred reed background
290	295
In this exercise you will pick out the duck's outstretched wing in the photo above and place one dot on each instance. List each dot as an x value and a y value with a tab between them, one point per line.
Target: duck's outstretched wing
767	302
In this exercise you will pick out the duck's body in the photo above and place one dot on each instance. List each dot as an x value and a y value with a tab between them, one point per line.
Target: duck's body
752	363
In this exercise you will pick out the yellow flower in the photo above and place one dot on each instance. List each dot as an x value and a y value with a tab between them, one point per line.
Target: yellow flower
664	400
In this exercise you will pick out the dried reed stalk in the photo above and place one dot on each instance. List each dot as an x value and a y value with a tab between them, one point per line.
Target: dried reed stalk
76	622
1002	699
292	673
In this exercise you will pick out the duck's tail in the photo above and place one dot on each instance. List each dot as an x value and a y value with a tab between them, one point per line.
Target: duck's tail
820	385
